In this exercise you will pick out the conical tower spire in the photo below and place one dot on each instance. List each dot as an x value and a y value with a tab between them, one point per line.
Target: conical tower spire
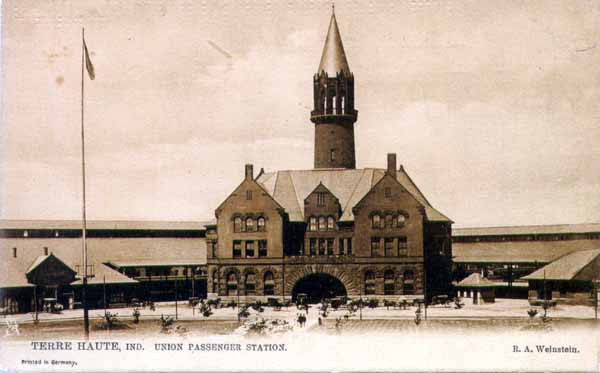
334	114
333	59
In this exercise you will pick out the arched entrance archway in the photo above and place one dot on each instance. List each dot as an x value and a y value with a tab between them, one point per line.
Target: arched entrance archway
318	286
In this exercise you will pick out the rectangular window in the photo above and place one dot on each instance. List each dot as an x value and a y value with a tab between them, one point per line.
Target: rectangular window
341	246
320	199
237	249
312	224
330	242
213	247
248	195
262	248
321	247
388	192
313	246
349	246
389	246
332	155
249	249
14	252
402	246
375	246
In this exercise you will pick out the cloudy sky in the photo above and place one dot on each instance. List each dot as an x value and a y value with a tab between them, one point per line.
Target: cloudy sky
493	107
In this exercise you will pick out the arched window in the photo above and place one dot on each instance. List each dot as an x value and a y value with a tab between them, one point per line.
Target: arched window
261	224
389	221
409	278
215	281
237	224
376	221
250	283
232	283
401	220
269	284
369	283
330	223
312	224
389	287
322	223
249	225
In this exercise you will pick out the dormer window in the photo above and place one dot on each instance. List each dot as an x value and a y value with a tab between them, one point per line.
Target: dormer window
320	199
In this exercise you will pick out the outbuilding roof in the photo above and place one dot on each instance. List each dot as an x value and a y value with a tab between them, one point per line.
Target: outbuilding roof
580	265
475	280
290	188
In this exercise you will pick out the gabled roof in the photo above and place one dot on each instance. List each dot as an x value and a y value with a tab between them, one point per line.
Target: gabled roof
105	274
333	59
517	251
568	267
475	280
41	259
290	188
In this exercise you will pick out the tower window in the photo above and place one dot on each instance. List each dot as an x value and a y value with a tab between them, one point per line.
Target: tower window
14	252
332	155
45	250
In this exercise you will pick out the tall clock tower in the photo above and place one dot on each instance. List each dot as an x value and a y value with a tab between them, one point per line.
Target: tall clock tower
334	115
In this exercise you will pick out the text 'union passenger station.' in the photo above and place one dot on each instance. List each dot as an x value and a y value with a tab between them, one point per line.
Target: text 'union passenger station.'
333	230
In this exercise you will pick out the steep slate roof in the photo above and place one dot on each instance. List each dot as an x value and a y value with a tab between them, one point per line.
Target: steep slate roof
567	267
333	59
475	280
527	229
290	188
517	251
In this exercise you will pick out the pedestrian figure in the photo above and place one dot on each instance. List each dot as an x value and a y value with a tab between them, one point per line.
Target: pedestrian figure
320	321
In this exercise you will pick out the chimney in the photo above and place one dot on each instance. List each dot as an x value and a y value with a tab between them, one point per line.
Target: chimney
391	164
249	172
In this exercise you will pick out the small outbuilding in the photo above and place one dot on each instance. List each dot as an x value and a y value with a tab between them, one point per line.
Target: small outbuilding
568	279
477	287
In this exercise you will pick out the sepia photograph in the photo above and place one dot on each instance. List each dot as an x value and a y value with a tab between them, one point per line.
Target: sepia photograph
300	185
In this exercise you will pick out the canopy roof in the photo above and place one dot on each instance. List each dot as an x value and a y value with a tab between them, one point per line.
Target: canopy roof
517	251
475	280
580	265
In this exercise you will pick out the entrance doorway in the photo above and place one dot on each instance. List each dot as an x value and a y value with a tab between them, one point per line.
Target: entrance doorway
318	286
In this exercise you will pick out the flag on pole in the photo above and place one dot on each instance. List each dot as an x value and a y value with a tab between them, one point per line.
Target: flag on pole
88	63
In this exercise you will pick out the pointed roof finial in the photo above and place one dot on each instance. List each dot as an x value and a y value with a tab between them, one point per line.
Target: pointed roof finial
333	59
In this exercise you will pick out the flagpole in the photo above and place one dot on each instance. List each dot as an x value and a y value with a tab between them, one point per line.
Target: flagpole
86	320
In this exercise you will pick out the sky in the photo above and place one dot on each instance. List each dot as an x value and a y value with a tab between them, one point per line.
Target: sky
493	107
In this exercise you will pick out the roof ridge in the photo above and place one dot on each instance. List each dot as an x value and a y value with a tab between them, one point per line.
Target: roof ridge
297	197
530	226
354	190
